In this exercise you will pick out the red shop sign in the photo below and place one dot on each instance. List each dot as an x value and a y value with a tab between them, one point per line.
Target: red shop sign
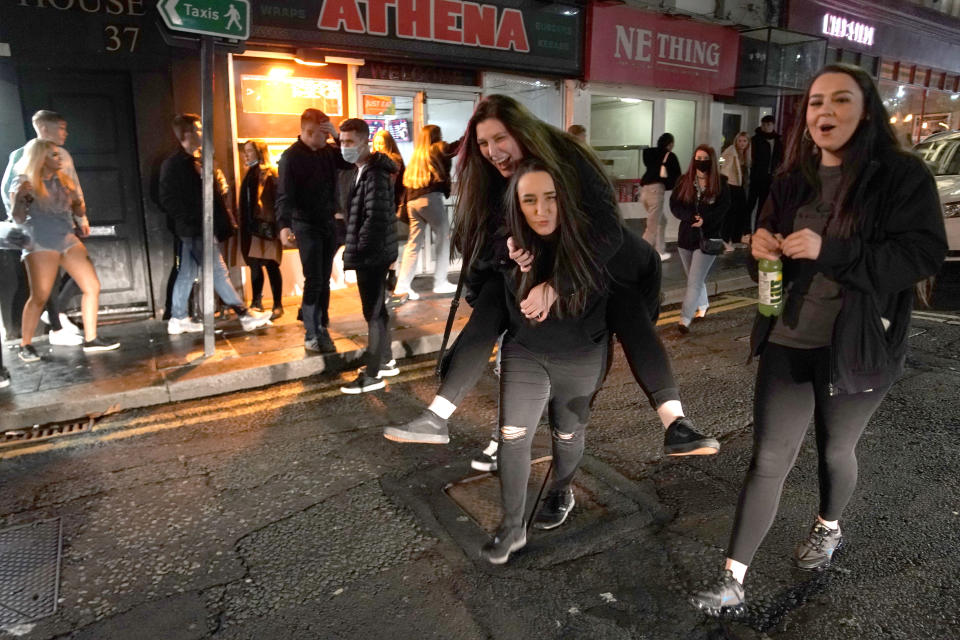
629	46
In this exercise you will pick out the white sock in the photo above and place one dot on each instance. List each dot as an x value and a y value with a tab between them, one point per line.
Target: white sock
670	411
491	449
833	525
738	569
442	407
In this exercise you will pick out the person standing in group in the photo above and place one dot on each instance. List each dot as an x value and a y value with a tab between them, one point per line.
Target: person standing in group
553	354
260	240
306	209
662	171
857	224
766	150
427	181
51	126
46	200
384	143
371	247
736	169
500	134
181	196
700	201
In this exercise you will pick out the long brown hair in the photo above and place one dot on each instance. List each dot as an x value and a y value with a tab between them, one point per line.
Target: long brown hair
481	185
746	155
686	189
574	261
263	151
426	164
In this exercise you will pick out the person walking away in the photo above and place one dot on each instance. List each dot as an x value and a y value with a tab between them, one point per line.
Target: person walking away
857	223
51	126
766	150
371	247
181	197
45	199
427	181
306	208
260	241
736	169
700	202
662	171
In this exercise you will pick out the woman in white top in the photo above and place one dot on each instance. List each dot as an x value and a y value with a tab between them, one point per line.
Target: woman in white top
736	167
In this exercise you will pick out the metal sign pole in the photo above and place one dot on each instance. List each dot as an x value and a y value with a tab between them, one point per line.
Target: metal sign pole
209	243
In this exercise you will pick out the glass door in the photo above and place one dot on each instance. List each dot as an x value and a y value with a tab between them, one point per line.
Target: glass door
392	110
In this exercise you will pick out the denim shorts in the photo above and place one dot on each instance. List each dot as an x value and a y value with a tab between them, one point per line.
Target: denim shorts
50	233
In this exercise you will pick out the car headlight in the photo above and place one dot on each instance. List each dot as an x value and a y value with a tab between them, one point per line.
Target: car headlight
951	210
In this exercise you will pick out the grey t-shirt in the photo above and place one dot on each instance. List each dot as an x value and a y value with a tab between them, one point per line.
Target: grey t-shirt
813	300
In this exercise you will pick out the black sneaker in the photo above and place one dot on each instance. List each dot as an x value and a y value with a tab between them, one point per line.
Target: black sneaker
427	428
497	550
817	551
555	509
681	439
27	353
99	344
486	460
326	342
4	377
363	384
724	597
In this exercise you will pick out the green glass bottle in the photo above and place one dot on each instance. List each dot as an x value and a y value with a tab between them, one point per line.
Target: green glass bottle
770	290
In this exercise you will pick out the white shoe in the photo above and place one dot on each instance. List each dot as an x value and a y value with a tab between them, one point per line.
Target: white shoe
65	338
411	294
68	325
665	255
254	319
445	287
176	326
388	369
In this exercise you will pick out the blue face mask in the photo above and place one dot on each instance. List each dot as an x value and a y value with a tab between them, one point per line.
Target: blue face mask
351	154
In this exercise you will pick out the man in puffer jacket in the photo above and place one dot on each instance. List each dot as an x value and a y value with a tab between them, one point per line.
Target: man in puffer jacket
371	247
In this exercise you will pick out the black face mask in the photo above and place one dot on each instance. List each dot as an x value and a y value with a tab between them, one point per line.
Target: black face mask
702	165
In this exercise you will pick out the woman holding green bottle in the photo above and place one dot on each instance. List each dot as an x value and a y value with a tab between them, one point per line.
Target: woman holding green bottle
856	223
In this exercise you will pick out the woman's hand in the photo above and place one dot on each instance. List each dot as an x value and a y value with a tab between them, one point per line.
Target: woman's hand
83	225
697	221
538	302
802	245
24	193
521	256
765	245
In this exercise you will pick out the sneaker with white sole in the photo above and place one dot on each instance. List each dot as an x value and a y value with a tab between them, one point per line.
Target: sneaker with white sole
486	460
427	428
64	338
410	294
176	326
816	552
4	377
65	322
363	384
507	540
554	509
724	597
388	369
253	319
100	344
28	353
445	287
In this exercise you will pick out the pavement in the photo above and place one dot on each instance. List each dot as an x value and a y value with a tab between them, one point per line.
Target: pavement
69	388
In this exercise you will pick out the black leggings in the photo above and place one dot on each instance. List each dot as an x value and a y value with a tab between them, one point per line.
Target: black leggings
528	381
257	265
791	388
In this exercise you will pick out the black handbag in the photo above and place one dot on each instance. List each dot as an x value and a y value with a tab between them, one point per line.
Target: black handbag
708	246
262	229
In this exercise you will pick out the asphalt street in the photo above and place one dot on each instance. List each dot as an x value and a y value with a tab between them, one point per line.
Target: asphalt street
283	513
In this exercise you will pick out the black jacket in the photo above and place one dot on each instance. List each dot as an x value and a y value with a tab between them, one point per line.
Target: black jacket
371	221
713	212
442	155
307	189
181	197
653	160
765	160
900	244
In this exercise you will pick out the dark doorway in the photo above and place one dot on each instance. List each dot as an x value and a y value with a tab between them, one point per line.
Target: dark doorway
731	127
101	138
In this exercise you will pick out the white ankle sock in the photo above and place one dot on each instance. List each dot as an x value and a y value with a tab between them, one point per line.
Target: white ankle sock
833	525
442	407
738	569
491	449
670	411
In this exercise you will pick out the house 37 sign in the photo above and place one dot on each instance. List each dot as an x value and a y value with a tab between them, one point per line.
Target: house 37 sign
635	47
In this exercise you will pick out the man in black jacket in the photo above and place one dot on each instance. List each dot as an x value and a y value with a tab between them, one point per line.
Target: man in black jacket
767	153
371	247
306	205
181	196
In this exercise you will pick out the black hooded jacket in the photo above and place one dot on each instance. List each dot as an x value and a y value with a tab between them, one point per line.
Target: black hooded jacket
765	159
371	221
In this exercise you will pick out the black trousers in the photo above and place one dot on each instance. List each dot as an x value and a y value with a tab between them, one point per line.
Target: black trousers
791	389
257	267
737	220
317	248
371	282
759	188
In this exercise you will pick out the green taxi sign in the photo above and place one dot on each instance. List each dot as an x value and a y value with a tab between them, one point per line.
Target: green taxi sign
222	18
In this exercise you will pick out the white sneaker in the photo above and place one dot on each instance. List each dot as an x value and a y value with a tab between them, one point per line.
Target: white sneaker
665	255
445	287
68	325
45	317
65	338
176	326
254	319
388	369
410	293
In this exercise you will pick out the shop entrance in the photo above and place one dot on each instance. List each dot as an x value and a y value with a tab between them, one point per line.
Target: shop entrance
99	112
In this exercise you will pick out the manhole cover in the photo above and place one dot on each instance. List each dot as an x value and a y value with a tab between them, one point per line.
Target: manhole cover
29	570
479	497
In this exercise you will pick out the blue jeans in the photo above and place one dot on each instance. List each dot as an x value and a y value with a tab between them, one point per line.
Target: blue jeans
191	257
696	264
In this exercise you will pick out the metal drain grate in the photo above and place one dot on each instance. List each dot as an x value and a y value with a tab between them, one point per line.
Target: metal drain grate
30	570
43	432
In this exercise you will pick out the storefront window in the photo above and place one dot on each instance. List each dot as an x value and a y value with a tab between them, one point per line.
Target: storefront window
393	113
681	118
542	97
915	112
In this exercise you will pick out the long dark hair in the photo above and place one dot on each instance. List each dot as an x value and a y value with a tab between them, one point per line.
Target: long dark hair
686	186
574	261
873	138
481	185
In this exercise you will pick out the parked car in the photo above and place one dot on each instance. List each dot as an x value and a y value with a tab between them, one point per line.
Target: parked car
941	152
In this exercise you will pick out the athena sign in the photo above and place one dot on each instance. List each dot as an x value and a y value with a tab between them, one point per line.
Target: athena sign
838	27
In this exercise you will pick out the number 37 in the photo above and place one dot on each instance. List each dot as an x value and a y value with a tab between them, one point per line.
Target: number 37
116	35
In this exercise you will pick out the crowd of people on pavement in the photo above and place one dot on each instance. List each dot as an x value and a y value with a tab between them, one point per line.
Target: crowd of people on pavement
553	275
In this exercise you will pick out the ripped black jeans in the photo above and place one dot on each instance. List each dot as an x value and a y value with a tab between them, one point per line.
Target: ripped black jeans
528	381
